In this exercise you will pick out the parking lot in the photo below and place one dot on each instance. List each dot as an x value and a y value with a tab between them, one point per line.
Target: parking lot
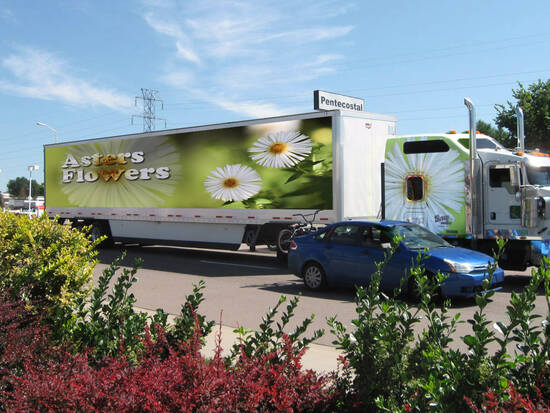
241	286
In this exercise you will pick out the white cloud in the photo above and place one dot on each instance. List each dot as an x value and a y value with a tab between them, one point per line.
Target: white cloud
175	31
242	50
7	15
179	79
41	75
310	35
248	108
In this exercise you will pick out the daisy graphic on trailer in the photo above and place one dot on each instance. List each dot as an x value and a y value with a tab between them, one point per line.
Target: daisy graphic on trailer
424	183
233	183
281	149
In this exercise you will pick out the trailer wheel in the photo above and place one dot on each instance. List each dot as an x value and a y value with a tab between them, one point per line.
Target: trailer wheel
98	230
250	238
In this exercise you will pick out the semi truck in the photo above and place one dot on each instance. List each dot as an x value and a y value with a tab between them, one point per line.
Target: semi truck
223	185
471	190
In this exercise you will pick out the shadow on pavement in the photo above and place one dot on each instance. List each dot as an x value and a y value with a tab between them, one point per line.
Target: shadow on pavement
297	287
192	261
516	282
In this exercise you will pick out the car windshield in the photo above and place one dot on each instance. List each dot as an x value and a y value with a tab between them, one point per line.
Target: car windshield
416	237
538	176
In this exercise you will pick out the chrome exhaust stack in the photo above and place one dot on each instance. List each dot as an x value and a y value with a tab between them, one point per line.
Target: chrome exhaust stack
520	129
473	144
473	225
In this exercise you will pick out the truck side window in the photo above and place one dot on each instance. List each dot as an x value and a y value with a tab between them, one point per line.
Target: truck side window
430	146
500	178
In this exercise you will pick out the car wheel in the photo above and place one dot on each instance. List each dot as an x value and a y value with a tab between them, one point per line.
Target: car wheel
314	277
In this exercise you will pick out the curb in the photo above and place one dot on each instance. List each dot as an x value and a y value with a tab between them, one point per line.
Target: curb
319	358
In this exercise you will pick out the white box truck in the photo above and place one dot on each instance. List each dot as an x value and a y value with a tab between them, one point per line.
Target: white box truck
219	186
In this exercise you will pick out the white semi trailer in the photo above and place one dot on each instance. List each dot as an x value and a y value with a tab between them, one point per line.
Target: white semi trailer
219	186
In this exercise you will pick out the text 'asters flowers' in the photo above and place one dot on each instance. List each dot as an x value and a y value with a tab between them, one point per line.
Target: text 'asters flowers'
281	149
233	183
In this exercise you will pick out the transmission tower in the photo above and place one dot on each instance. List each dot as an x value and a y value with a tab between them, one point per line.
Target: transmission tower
149	98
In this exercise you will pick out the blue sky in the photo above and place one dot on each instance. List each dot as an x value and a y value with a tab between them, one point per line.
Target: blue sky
77	65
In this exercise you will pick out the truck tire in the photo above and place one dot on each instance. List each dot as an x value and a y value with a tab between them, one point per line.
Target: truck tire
314	277
250	238
100	229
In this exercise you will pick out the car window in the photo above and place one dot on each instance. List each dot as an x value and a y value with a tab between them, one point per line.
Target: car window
321	235
417	238
347	234
373	237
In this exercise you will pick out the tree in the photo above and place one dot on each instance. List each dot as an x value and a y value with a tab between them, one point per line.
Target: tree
535	102
19	188
498	133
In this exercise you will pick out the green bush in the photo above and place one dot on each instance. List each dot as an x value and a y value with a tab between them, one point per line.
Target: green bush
106	323
389	368
43	261
270	336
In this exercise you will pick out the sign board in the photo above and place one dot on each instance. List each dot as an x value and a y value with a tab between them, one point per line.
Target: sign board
331	101
277	165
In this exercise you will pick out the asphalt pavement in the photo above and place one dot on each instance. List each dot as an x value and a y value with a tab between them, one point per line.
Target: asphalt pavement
240	288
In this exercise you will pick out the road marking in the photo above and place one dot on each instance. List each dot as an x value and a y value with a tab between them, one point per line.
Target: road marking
239	265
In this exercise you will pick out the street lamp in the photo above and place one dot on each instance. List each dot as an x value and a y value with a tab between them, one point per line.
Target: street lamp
49	127
31	168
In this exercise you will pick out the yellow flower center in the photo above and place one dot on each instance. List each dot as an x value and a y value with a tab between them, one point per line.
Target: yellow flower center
230	182
278	148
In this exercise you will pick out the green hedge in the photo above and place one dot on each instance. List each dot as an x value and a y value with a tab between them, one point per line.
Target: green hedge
43	261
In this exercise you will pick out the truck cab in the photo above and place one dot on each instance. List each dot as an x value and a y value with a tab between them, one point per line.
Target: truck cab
511	187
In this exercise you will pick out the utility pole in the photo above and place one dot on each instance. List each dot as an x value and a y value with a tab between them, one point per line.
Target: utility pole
149	98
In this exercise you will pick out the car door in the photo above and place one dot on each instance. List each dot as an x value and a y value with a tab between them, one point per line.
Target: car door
342	253
375	244
502	207
372	252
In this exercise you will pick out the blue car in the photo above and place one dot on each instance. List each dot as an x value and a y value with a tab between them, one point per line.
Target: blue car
346	253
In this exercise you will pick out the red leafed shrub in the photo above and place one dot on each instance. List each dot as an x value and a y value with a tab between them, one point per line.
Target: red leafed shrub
512	401
22	338
180	380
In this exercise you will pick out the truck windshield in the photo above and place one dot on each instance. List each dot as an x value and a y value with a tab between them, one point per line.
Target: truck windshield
538	176
416	237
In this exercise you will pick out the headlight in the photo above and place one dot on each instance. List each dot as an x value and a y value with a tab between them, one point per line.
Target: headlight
459	266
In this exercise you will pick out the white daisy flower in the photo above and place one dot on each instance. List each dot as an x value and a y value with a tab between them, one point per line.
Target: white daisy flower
233	183
441	176
281	149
